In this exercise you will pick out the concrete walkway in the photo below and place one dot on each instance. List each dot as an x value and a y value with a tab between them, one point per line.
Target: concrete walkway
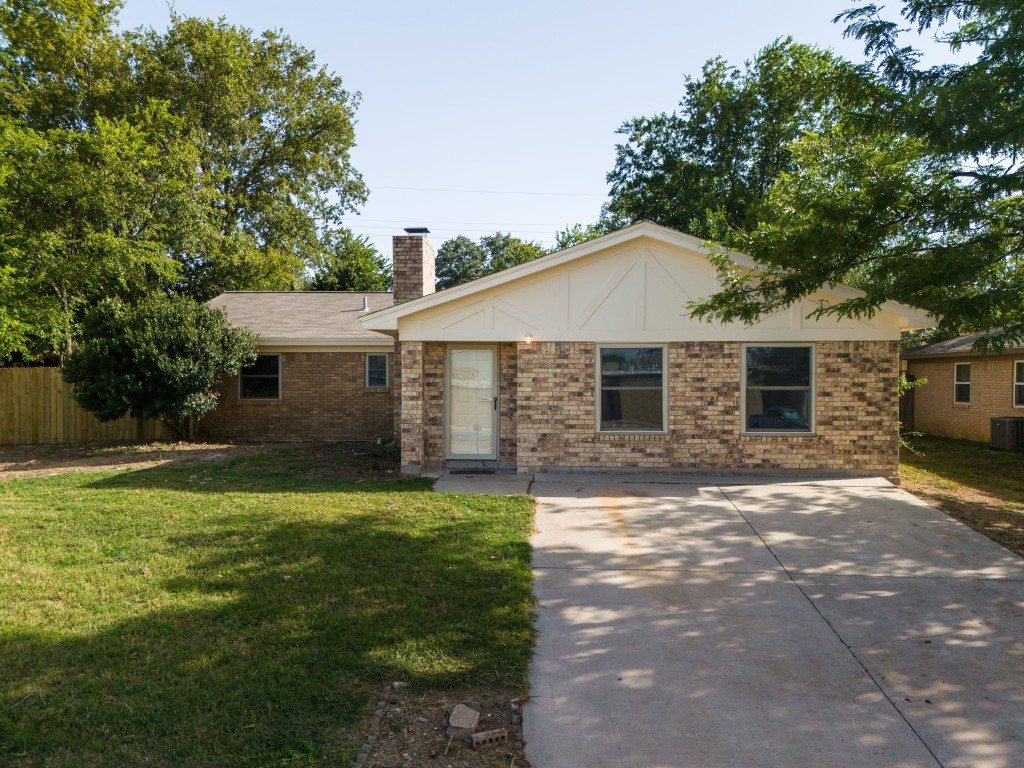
501	482
725	622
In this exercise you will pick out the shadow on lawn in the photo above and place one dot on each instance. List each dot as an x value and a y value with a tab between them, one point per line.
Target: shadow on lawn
280	635
260	474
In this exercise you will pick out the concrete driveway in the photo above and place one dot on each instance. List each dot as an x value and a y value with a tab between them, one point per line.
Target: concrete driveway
723	622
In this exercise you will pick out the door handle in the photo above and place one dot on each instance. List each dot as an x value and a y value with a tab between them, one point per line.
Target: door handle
492	399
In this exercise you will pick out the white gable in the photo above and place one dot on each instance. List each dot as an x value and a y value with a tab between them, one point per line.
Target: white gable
636	288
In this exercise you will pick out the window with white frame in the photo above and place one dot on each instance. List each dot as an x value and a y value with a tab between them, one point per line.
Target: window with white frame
962	383
376	370
778	388
262	379
631	389
1018	384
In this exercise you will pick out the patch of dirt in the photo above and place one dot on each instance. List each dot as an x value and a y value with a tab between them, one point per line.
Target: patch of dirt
413	733
46	460
999	519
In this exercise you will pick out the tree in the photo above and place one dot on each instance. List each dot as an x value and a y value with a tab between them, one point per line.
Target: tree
504	251
158	359
580	233
924	205
274	132
353	264
201	159
900	180
730	138
460	260
88	215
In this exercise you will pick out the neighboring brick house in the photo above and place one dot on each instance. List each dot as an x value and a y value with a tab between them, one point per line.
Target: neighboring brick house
320	375
965	388
588	358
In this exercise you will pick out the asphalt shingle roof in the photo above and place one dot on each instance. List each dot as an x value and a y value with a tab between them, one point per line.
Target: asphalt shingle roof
961	345
304	315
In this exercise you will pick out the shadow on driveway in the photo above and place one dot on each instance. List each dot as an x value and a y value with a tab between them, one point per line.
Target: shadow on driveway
838	623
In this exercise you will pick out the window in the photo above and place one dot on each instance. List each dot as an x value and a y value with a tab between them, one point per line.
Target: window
1018	384
262	379
631	389
962	383
777	388
376	370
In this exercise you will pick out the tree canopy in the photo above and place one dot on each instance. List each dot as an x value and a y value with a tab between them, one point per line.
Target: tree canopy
196	160
460	260
351	264
902	180
730	139
580	233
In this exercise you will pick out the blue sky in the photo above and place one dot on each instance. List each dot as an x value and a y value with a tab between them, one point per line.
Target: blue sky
506	98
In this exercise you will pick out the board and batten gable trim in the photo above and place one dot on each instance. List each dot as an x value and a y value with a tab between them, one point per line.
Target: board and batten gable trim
635	291
389	319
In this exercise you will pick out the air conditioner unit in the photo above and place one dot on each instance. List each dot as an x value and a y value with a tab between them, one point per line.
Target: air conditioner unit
1007	433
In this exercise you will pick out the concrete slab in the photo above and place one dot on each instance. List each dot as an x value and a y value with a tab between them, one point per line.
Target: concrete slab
948	652
782	622
502	482
680	527
868	531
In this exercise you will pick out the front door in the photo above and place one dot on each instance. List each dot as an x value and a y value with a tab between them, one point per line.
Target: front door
472	424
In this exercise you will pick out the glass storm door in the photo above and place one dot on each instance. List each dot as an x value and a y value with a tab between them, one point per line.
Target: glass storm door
472	403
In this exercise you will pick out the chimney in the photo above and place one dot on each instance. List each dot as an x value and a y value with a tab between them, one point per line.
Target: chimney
412	264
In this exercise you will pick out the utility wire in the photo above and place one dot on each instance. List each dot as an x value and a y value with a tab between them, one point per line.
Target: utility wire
492	192
492	230
358	220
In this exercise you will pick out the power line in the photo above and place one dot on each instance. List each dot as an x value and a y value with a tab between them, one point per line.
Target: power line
357	221
355	227
493	192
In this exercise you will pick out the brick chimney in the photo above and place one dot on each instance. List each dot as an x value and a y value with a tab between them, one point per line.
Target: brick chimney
412	263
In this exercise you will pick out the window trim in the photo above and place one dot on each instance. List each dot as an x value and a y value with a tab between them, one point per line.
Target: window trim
1017	383
387	371
664	389
812	389
956	384
280	381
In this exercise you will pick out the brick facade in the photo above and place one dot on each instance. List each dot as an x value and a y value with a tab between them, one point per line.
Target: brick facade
433	402
412	258
548	411
508	403
323	397
935	413
411	399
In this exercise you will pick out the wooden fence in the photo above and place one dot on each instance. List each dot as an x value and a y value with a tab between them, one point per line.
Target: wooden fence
36	407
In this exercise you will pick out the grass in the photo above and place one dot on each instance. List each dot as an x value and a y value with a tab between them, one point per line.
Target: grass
243	612
972	483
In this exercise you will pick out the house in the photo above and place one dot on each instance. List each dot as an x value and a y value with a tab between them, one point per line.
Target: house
319	376
585	358
588	358
965	388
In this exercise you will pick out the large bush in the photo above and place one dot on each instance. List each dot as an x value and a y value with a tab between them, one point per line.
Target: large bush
159	359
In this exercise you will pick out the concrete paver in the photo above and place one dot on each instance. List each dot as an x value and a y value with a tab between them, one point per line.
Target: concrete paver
774	623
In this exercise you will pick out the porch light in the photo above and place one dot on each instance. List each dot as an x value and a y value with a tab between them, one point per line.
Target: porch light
529	338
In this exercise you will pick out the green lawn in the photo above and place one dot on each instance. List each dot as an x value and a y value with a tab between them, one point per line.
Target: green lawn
242	612
971	482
